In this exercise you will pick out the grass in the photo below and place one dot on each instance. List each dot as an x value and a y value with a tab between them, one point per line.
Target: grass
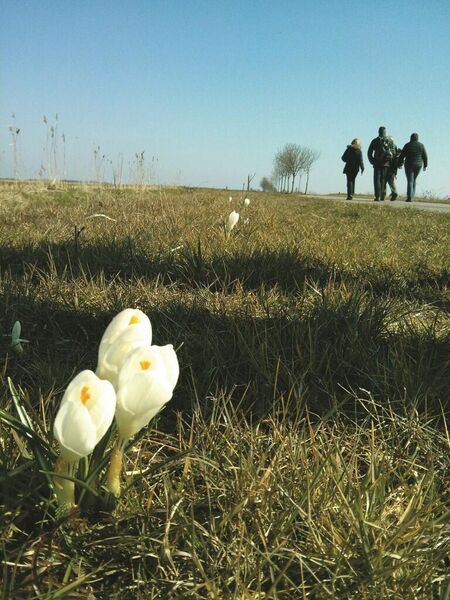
305	451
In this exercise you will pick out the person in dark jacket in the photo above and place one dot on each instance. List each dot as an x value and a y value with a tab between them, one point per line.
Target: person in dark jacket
353	163
380	155
415	157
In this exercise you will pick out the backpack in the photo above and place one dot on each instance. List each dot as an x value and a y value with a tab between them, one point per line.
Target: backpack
387	150
396	160
384	153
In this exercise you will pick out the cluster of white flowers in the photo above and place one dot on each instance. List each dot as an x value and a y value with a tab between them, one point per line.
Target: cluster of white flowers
133	381
233	217
246	200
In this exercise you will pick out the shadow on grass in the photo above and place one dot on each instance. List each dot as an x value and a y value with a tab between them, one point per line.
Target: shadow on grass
319	359
287	269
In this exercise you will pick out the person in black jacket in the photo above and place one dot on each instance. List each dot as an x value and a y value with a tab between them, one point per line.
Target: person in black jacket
380	156
415	156
353	163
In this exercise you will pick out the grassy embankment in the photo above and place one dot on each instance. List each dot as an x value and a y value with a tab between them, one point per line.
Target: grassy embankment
314	353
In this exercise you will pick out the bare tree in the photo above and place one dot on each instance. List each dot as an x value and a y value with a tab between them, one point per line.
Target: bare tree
310	158
291	162
14	131
249	180
280	171
287	165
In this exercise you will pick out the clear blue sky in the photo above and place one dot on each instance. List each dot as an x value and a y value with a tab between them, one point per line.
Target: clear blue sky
213	89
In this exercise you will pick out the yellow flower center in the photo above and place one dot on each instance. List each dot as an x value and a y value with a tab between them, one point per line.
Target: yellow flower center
134	320
145	364
85	394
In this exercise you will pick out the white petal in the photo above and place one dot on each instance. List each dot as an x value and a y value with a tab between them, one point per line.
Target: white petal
114	357
233	218
75	431
128	425
128	318
142	358
170	360
96	397
145	391
102	407
86	377
139	400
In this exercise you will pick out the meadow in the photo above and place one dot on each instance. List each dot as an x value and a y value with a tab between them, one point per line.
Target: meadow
305	453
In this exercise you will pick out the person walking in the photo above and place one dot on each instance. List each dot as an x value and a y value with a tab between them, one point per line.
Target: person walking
415	157
353	163
379	155
394	165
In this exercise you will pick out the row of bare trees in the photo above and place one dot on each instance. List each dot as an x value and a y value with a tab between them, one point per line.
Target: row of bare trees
290	164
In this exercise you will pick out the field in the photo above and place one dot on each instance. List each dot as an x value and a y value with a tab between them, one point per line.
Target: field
305	452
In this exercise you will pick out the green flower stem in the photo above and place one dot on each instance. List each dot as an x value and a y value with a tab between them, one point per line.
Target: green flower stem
115	468
65	489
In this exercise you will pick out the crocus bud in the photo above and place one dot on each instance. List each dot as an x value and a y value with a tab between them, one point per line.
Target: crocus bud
16	341
246	202
231	221
146	383
129	330
86	412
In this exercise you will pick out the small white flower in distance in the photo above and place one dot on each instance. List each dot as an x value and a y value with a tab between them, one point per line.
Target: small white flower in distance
246	202
129	330
146	383
230	199
85	414
231	221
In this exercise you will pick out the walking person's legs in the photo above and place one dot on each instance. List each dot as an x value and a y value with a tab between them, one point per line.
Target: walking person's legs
411	176
391	183
409	183
349	187
383	182
377	183
416	172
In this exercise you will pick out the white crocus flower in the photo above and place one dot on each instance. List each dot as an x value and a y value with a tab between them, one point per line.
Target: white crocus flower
231	221
86	412
230	199
146	383
130	329
246	202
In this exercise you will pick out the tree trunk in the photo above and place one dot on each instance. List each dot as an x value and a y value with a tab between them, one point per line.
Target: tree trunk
307	181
